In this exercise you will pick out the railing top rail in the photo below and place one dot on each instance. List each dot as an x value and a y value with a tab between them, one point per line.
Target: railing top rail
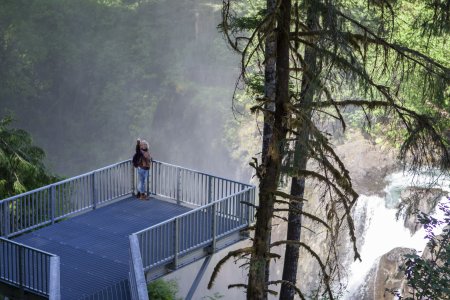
61	182
194	210
108	167
203	173
28	247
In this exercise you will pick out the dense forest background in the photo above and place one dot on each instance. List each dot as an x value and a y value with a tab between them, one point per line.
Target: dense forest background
86	78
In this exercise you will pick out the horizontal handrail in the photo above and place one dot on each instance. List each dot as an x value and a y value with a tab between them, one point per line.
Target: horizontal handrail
29	268
48	204
189	186
200	172
192	211
63	181
165	242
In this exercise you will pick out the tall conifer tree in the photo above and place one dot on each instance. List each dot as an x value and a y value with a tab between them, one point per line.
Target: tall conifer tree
324	48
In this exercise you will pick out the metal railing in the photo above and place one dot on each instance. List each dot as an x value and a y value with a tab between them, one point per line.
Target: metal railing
136	276
29	269
190	186
201	227
46	205
223	206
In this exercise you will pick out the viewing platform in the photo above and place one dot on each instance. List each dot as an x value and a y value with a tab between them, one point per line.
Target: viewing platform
87	237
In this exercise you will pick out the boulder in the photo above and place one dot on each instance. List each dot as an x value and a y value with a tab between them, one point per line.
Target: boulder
415	199
385	274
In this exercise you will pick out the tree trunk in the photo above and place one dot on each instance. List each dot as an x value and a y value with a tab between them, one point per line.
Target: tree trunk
270	56
257	284
308	88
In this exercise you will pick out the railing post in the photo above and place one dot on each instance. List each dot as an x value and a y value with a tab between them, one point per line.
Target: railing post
157	174
6	221
21	257
176	246
147	191
239	212
178	186
152	178
140	283
54	279
53	202
210	189
214	227
133	180
94	191
244	207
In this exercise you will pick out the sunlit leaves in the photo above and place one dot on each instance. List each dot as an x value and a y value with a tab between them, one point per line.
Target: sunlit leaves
428	275
21	163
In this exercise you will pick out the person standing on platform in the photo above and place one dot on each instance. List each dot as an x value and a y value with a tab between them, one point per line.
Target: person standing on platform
142	161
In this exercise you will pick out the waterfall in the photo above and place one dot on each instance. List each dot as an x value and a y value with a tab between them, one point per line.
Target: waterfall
381	231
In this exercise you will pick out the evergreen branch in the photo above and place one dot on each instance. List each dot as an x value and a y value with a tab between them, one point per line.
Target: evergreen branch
288	196
235	253
398	48
310	216
316	79
249	204
364	39
343	63
297	290
344	181
423	126
288	202
313	254
347	215
237	285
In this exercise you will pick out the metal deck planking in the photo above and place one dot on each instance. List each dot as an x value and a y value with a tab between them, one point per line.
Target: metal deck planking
94	246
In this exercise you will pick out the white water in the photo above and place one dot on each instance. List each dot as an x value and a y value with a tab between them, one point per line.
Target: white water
382	231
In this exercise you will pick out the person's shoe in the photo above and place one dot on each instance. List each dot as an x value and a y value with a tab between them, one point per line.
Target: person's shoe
143	197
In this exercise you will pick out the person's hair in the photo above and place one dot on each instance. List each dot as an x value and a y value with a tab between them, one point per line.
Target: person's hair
144	142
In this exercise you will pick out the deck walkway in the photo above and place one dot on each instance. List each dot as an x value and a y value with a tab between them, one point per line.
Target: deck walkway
93	247
86	238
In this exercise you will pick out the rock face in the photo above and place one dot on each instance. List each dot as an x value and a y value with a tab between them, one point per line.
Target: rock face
385	274
367	163
421	199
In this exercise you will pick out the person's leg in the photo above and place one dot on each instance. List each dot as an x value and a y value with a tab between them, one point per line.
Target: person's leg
141	183
145	181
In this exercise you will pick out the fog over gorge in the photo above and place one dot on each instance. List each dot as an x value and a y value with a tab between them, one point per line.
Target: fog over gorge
86	78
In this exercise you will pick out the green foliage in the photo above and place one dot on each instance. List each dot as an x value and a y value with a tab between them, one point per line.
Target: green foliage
428	276
21	163
213	297
163	290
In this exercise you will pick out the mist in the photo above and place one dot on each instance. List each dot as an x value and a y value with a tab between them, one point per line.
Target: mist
86	78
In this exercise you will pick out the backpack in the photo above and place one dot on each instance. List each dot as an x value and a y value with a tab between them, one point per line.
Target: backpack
137	159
